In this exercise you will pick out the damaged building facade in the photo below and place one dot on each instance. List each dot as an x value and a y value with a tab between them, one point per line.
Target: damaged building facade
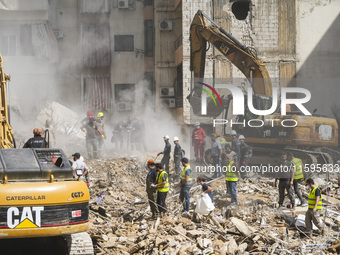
116	55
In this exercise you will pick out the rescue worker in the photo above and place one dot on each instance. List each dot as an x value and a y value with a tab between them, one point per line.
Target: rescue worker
166	153
286	179
236	146
178	155
102	136
152	193
86	120
48	132
127	127
138	134
37	141
246	153
298	176
198	141
220	139
117	135
78	164
185	184
91	129
232	175
216	154
162	186
205	187
314	207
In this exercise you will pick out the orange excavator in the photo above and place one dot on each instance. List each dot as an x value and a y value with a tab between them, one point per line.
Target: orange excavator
39	195
314	139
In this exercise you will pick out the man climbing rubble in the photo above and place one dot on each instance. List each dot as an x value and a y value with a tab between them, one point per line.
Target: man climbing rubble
37	141
314	207
152	193
162	186
79	165
166	154
91	129
198	141
185	184
102	136
298	176
178	155
286	179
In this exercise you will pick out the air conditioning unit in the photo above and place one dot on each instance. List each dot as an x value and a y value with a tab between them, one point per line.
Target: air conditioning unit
123	4
58	34
124	106
167	91
165	25
168	103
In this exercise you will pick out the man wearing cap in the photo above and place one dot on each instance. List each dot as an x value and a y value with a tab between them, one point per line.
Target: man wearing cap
178	155
198	141
166	153
78	164
216	154
152	193
185	184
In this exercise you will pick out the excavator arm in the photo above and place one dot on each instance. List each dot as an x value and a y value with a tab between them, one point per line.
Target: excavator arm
6	132
241	56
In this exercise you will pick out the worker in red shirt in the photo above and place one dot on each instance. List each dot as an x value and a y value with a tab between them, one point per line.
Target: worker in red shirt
198	141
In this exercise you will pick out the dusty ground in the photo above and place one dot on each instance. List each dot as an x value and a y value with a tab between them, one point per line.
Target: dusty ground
121	223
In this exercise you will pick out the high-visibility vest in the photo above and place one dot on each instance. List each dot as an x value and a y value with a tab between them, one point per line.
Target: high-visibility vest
231	174
221	140
298	168
312	199
183	173
164	187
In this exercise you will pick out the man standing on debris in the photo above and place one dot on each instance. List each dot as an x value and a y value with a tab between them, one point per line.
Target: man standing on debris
314	207
78	164
236	146
185	184
232	175
117	135
198	141
246	153
152	193
162	186
87	119
205	187
166	153
178	155
216	154
298	176
37	141
101	137
48	131
91	129
286	179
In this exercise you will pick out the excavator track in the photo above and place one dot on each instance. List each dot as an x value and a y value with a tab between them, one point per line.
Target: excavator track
79	244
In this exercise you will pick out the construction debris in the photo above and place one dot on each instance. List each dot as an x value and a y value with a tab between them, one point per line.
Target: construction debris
121	220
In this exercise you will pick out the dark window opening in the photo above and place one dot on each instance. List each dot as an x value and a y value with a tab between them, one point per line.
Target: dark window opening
179	87
148	2
148	38
124	93
240	9
124	43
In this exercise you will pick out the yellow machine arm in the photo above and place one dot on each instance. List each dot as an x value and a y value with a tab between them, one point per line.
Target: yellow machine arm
241	56
6	132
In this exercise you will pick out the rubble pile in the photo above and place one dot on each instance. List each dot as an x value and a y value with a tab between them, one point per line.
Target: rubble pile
120	221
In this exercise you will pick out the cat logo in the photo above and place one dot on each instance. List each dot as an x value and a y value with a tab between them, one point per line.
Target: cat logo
27	217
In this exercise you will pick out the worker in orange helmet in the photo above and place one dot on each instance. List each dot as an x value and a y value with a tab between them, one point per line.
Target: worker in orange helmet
152	193
37	141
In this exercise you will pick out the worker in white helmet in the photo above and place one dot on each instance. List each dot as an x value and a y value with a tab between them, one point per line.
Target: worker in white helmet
178	155
166	154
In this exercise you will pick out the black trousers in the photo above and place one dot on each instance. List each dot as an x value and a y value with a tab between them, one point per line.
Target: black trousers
161	196
165	161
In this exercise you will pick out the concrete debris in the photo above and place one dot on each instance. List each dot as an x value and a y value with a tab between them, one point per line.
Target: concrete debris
121	222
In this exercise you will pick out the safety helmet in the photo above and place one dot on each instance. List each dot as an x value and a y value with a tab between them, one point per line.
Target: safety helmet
166	137
233	132
89	113
92	118
37	131
176	138
150	161
100	115
241	137
197	123
218	133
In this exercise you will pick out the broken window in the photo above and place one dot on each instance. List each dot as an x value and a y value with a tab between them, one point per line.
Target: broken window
240	9
98	93
124	43
124	93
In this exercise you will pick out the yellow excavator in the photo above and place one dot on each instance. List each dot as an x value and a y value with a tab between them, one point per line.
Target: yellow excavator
39	195
314	139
